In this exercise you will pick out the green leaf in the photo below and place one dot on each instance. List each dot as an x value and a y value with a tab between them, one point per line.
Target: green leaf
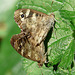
31	68
68	56
73	69
61	71
42	5
68	12
60	46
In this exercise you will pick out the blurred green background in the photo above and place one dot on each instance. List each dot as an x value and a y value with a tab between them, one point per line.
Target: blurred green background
9	58
11	61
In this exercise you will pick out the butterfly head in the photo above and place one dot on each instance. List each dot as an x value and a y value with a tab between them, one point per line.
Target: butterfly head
19	16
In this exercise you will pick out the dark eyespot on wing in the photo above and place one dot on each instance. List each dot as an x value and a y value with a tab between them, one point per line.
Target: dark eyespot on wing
20	46
39	15
36	14
22	15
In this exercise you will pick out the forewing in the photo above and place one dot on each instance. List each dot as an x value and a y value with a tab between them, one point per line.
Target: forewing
36	23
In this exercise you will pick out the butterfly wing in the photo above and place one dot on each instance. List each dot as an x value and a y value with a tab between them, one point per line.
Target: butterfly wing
36	23
34	28
24	48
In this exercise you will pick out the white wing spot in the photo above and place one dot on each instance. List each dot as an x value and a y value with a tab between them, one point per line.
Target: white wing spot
21	44
21	13
22	19
27	12
29	54
22	52
18	48
34	17
36	56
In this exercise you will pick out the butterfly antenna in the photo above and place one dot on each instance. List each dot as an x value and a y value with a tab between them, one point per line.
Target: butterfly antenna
45	7
51	5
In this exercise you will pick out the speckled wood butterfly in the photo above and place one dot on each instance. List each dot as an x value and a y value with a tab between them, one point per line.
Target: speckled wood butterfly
34	27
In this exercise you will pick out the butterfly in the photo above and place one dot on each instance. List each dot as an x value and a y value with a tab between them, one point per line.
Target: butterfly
34	27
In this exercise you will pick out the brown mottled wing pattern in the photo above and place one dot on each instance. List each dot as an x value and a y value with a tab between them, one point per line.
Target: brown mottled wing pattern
36	23
34	27
23	47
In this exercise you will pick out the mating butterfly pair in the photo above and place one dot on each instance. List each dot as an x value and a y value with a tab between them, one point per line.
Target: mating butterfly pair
34	27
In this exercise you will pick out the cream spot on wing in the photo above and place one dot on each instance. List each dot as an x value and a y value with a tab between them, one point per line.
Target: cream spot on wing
22	52
23	25
34	17
21	13
36	57
21	44
43	19
29	54
27	12
22	19
39	36
34	25
18	48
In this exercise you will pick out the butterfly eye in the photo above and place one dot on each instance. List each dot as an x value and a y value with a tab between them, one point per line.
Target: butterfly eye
22	15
